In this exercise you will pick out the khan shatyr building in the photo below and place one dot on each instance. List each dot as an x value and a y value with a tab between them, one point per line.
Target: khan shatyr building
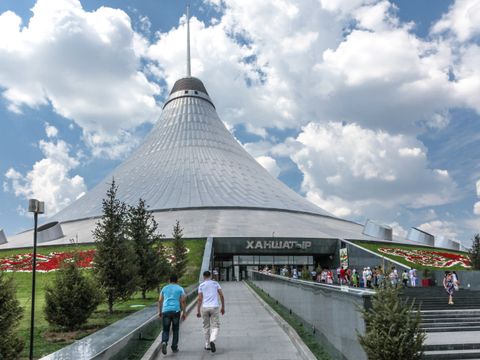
190	168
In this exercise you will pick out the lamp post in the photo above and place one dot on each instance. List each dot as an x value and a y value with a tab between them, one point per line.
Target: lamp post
36	207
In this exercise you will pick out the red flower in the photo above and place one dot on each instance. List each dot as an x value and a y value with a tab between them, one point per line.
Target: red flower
430	258
46	263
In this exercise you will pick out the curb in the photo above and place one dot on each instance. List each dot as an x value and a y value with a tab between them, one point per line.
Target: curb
303	349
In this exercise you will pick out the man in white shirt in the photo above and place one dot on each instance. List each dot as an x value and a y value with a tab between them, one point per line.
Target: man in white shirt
413	277
208	308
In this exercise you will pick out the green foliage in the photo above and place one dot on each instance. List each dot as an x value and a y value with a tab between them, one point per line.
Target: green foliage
47	339
11	344
179	261
113	265
151	261
474	252
392	328
71	298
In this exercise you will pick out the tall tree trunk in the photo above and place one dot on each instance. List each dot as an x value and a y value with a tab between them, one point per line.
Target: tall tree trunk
110	304
144	294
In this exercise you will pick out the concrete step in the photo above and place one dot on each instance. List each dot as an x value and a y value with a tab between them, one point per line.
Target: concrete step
450	324
466	346
452	354
455	319
450	329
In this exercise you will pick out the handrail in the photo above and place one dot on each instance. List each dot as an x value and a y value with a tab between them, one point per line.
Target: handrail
340	288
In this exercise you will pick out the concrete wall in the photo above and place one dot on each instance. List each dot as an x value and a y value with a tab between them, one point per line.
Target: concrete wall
332	312
359	258
469	279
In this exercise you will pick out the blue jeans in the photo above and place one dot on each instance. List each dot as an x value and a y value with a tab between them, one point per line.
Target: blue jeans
171	318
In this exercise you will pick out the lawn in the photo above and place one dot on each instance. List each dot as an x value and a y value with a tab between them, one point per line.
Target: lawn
417	260
48	340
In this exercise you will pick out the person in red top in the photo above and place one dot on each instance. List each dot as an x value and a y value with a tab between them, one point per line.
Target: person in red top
342	276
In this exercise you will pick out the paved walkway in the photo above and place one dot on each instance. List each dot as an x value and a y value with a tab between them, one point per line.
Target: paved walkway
247	332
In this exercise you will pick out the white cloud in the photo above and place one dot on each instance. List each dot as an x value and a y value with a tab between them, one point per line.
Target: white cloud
49	179
270	164
51	130
366	171
438	228
476	208
477	185
462	20
398	230
413	152
85	64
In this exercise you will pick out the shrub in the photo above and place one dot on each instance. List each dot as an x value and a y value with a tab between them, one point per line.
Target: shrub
392	330
10	314
71	298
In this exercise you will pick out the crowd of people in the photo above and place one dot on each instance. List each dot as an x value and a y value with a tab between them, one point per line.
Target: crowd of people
366	278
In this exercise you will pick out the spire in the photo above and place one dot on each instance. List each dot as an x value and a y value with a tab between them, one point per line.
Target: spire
189	70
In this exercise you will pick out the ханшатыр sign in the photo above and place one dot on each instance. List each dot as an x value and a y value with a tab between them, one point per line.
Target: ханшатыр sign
277	244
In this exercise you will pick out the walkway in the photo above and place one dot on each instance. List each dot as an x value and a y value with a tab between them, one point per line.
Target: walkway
247	332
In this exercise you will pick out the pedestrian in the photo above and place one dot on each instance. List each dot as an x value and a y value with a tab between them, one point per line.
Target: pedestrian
413	277
456	282
355	278
329	277
208	308
342	276
449	286
405	278
364	277
171	307
368	277
295	273
394	277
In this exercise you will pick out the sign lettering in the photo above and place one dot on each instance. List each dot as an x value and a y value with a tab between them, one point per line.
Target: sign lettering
278	244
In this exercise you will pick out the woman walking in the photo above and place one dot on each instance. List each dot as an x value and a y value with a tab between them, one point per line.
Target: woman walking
449	286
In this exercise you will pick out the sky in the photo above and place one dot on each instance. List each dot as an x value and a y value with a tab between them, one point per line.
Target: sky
368	108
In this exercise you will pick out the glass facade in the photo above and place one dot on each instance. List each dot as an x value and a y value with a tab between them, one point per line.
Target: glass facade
272	260
236	267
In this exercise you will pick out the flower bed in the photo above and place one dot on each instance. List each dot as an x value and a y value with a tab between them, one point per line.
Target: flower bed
45	263
429	258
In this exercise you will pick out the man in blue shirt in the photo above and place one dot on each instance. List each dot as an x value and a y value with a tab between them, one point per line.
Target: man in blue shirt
171	304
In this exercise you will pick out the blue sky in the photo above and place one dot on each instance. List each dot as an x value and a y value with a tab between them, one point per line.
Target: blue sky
368	108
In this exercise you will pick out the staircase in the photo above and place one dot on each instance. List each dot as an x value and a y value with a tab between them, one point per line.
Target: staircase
453	331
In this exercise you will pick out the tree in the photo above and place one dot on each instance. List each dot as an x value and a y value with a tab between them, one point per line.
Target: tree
474	252
150	254
113	265
71	298
11	344
179	261
392	330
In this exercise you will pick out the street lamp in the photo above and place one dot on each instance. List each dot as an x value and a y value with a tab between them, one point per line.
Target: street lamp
36	207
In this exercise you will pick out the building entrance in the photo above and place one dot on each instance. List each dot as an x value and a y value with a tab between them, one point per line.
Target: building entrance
236	267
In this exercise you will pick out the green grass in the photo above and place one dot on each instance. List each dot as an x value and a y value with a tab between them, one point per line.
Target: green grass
373	246
294	321
47	339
